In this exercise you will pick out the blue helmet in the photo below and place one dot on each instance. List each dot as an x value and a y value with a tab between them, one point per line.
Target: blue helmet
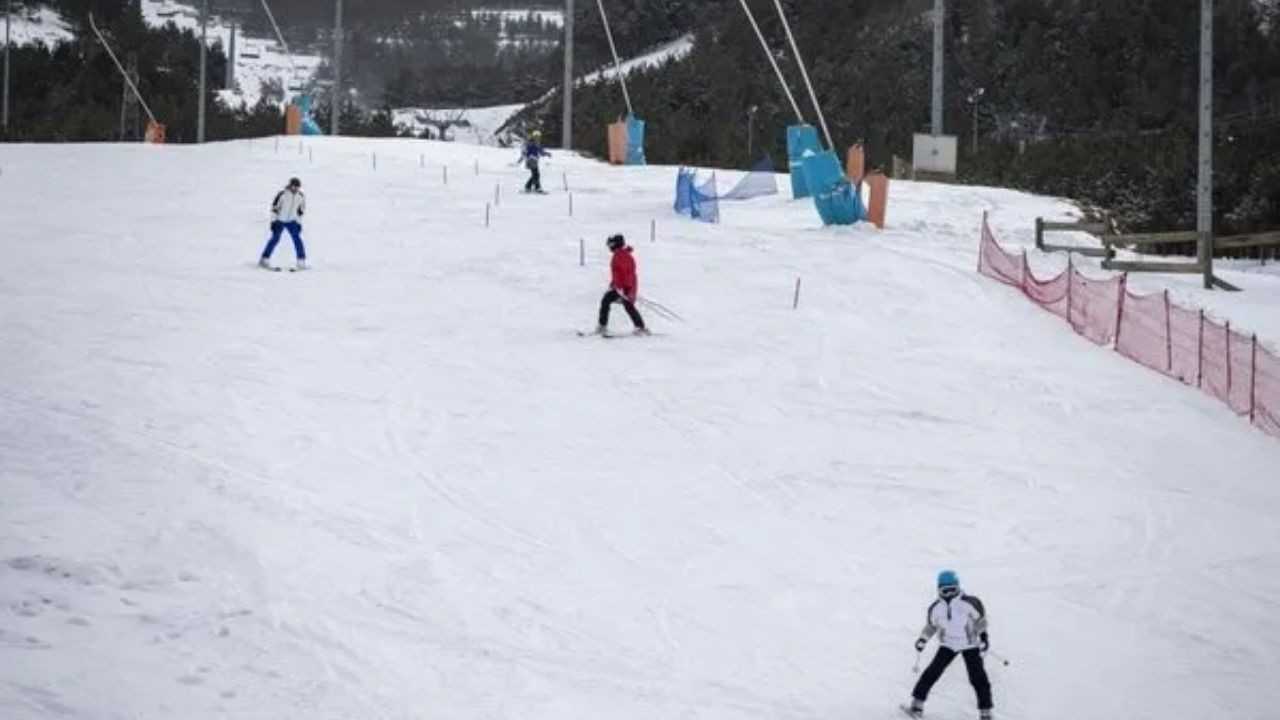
948	578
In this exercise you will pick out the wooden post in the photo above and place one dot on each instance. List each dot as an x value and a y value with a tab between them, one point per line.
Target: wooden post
570	204
1124	290
653	230
1168	335
582	252
486	214
1253	381
1040	233
1229	373
1071	282
1200	354
795	301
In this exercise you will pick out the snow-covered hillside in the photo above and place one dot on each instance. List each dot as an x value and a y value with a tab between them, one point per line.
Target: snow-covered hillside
399	485
257	60
35	24
482	125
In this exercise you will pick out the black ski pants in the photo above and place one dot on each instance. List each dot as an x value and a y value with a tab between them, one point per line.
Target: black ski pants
535	178
972	663
612	297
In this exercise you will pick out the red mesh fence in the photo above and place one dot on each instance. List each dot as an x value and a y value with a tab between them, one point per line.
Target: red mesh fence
1240	397
1053	295
1266	378
1184	326
995	263
1144	335
1095	307
1153	331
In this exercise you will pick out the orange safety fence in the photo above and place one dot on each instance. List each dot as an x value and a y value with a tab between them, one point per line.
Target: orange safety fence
1153	331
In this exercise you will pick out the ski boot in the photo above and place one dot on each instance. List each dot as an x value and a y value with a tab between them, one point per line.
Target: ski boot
986	714
641	332
914	709
265	264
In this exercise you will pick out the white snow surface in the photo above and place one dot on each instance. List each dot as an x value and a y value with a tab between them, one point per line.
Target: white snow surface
257	59
399	486
35	24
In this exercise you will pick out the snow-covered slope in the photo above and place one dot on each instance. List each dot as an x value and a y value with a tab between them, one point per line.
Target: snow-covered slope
399	486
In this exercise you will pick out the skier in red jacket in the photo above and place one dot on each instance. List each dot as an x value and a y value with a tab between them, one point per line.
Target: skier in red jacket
623	287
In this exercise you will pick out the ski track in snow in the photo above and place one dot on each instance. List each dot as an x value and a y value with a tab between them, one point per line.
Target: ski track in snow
397	485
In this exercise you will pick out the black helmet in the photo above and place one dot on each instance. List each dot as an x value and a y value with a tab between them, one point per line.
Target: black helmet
616	241
295	182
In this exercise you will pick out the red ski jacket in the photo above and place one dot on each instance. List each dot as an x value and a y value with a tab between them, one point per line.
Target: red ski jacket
623	268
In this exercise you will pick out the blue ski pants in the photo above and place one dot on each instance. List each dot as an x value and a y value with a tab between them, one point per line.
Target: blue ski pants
295	232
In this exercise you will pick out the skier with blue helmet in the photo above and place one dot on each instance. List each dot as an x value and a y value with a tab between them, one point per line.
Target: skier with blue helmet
960	622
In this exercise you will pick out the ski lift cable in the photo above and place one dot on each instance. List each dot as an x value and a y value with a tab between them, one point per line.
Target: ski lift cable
773	62
128	80
804	73
287	53
617	66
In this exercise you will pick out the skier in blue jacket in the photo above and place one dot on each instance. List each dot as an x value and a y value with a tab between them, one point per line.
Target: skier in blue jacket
533	151
960	622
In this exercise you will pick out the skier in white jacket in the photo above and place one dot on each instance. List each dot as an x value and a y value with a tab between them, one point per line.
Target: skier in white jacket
286	214
960	622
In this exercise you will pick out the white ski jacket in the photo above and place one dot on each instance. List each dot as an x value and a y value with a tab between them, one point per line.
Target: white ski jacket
958	622
288	206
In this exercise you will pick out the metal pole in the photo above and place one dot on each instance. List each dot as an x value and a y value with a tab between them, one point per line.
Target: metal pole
1204	185
751	117
8	10
769	56
566	122
617	66
336	109
804	73
939	13
204	69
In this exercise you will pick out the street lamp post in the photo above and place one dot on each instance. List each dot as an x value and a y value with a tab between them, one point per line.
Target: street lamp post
974	98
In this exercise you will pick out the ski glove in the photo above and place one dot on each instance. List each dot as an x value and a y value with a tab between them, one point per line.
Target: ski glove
920	643
984	643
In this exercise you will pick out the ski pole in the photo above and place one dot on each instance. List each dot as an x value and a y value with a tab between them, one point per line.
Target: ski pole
997	656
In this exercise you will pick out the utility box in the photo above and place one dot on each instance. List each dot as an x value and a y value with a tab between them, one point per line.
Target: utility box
933	155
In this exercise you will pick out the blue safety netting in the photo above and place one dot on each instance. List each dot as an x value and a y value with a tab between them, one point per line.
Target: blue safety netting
760	180
802	141
697	201
635	141
833	194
